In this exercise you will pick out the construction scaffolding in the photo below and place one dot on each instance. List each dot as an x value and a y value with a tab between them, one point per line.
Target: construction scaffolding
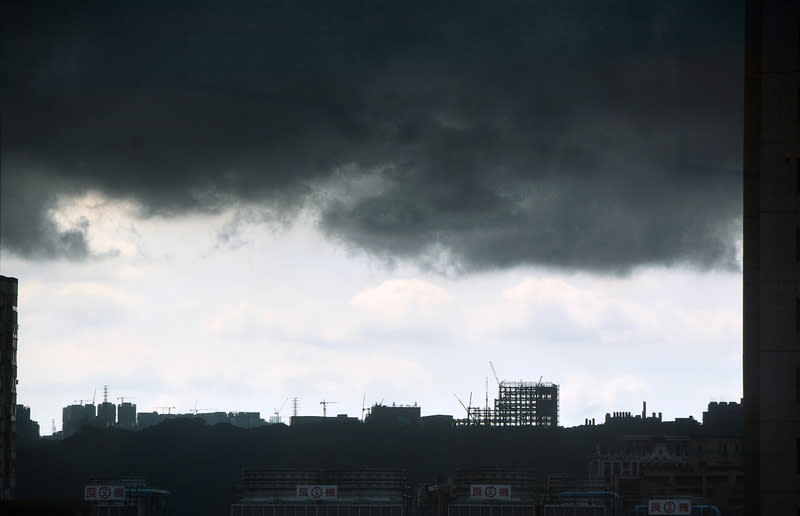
520	404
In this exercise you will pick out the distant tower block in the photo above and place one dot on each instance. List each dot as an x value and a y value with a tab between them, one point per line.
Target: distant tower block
107	411
126	415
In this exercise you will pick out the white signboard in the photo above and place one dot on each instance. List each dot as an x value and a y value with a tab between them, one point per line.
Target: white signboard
670	506
489	492
104	493
310	492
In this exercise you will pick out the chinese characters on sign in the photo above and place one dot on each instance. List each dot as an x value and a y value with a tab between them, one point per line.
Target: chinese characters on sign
489	492
317	492
680	507
104	493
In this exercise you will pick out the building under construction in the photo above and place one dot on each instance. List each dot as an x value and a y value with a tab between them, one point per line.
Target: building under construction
517	404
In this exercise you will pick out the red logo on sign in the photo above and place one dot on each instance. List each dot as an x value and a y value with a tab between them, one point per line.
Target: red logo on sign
669	507
491	491
105	492
316	492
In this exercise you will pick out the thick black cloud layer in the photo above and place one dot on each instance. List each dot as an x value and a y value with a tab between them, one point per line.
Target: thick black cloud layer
570	134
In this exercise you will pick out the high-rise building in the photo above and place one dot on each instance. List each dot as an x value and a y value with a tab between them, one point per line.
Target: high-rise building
76	417
27	429
772	257
8	385
126	415
107	413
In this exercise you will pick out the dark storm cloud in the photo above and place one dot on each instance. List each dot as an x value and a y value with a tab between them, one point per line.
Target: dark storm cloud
564	134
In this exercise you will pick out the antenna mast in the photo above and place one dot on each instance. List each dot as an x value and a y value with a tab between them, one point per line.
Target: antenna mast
363	405
325	404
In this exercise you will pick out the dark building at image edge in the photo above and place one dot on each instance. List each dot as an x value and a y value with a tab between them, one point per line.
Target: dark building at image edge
8	385
771	351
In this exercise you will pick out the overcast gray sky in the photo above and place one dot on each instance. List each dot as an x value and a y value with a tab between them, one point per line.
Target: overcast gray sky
232	204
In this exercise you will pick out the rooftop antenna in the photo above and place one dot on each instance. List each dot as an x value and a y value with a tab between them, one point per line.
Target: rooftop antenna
325	404
294	406
122	399
169	409
105	393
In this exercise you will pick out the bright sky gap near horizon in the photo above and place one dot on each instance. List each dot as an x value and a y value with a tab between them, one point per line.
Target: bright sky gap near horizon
229	206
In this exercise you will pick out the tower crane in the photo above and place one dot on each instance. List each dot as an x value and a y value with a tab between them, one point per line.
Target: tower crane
277	414
195	410
466	408
499	383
